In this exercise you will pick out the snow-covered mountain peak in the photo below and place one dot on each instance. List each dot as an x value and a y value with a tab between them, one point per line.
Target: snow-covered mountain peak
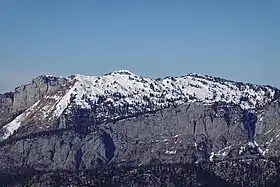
192	87
123	93
131	89
196	75
123	72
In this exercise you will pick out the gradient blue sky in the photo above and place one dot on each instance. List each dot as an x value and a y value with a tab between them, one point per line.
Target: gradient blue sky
238	40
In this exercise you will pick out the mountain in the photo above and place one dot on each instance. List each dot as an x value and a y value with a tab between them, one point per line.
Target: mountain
122	120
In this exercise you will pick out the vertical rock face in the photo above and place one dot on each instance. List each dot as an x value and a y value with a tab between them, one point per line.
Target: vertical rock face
6	101
249	121
183	133
26	95
14	103
209	135
268	128
120	119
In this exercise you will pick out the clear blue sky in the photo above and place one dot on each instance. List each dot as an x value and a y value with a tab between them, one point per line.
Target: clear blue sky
238	40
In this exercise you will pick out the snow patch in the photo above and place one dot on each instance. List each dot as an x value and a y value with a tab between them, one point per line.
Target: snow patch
170	152
241	150
220	153
211	156
166	140
255	145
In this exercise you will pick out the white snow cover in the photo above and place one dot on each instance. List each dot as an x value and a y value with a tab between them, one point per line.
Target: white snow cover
241	150
211	156
221	153
170	152
134	88
255	145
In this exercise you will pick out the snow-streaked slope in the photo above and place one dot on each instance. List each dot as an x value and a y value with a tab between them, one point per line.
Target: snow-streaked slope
125	89
11	127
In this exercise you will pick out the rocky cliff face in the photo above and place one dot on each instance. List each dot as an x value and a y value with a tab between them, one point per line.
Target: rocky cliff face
120	119
14	103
